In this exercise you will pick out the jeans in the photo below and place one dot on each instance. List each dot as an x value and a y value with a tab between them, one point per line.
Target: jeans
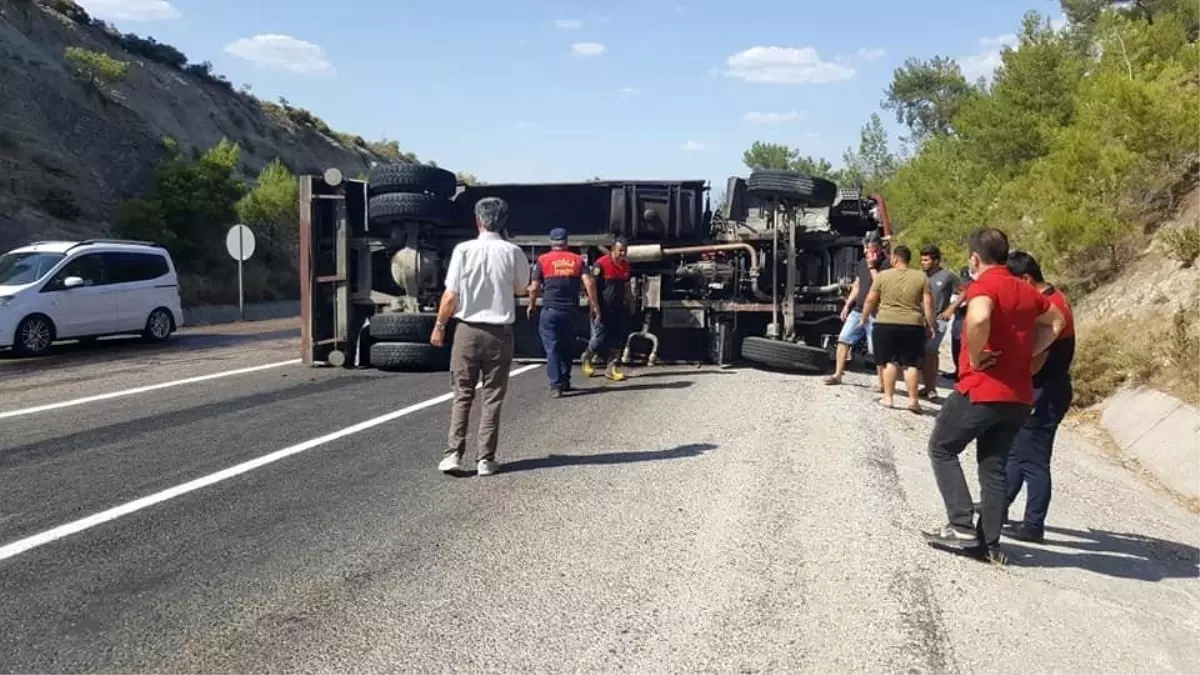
851	332
1029	459
956	330
556	327
608	335
992	426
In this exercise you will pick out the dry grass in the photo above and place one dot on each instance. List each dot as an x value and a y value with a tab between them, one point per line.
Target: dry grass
1162	351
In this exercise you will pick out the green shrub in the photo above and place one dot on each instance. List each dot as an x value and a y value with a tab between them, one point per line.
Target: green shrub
1183	243
98	67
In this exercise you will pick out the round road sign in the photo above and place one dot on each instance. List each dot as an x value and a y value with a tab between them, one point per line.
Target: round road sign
239	241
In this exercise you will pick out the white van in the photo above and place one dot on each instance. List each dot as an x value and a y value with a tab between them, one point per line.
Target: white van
59	290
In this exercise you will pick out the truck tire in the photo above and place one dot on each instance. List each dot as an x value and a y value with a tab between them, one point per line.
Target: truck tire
399	207
409	356
785	355
792	185
418	178
402	327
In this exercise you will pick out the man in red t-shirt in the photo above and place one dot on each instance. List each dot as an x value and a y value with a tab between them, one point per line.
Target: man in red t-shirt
1029	459
1008	323
610	331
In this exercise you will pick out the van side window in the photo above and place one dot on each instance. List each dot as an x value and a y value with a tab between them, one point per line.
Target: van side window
130	267
89	267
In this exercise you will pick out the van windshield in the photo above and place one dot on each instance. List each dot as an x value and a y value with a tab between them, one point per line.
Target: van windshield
18	269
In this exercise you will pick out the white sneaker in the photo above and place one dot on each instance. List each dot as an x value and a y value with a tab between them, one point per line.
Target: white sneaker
487	467
450	463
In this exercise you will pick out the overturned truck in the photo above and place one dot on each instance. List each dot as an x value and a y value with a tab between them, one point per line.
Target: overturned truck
762	279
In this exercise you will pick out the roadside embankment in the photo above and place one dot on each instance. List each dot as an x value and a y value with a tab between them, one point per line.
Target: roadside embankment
1159	431
214	314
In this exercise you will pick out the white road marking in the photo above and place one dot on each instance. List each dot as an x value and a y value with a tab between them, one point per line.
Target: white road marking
142	390
20	546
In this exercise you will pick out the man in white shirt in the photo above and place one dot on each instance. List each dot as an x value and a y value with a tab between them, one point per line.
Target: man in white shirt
483	279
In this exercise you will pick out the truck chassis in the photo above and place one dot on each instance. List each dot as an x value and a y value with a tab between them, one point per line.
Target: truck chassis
763	279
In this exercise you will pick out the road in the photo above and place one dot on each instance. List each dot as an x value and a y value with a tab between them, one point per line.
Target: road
688	519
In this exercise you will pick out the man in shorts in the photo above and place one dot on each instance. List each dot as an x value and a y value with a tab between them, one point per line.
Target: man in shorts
942	284
874	261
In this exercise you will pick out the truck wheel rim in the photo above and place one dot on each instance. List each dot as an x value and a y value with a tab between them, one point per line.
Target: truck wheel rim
36	335
160	324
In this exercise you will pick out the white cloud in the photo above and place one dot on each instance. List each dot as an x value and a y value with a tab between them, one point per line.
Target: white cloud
984	62
771	117
870	53
282	52
630	91
784	65
587	49
1058	23
131	10
567	24
692	146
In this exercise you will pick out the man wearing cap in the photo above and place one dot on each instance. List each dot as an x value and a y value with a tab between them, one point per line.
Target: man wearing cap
556	279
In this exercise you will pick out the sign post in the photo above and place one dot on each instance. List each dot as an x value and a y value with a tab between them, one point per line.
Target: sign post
239	241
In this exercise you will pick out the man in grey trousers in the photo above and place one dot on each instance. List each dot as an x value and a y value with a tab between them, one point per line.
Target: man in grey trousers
483	279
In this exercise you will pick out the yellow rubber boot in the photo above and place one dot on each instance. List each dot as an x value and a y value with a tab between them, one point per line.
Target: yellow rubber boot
614	373
588	369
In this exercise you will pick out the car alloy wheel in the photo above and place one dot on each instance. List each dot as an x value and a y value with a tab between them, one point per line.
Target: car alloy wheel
34	335
159	324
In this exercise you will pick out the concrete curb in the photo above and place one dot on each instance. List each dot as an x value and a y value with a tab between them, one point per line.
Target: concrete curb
1161	432
214	314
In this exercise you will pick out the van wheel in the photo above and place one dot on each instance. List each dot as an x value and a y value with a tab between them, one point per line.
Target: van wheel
159	325
34	335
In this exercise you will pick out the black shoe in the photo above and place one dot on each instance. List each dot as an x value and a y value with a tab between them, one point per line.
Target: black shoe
1025	532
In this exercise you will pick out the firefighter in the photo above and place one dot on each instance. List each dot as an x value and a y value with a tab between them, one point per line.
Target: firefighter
610	330
557	277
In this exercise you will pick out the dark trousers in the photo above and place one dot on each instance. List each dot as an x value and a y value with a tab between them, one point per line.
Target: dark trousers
992	426
1029	459
610	333
556	327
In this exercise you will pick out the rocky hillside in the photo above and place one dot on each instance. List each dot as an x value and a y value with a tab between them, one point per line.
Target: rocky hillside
75	141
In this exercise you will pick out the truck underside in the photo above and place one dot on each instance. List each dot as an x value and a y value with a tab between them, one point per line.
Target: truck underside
762	279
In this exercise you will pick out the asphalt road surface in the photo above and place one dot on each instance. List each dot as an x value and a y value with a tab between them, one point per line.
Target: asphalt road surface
686	520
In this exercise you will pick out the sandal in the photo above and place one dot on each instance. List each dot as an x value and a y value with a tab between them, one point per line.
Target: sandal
833	379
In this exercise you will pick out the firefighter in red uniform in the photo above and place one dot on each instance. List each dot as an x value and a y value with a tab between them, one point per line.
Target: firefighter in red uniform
610	331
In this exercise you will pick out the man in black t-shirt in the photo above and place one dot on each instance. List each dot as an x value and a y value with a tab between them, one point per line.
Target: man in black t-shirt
609	330
874	261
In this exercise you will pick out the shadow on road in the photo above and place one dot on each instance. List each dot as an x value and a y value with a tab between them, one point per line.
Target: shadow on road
87	440
552	461
615	387
639	374
1115	554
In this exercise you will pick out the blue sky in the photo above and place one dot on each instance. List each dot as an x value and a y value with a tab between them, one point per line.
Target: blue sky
533	90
